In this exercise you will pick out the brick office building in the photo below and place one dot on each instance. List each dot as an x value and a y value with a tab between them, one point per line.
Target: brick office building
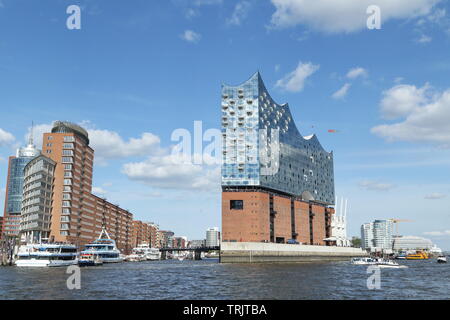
144	233
276	184
78	216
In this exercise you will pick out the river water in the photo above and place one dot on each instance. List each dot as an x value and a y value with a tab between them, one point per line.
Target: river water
208	279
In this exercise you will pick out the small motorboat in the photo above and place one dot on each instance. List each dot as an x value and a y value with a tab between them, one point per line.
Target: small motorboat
442	259
89	259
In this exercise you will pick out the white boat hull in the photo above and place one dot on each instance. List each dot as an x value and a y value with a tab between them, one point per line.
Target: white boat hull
40	263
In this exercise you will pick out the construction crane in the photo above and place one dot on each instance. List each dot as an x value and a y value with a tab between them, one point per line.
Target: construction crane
396	221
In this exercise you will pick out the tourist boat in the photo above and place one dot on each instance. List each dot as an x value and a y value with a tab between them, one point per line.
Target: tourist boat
379	262
104	248
364	261
46	255
135	258
420	255
148	252
442	259
89	259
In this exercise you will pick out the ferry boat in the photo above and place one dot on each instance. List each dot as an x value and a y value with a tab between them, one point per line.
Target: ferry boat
379	262
89	259
148	252
104	248
420	255
46	255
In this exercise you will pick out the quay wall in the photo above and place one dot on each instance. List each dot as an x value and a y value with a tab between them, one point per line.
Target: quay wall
254	252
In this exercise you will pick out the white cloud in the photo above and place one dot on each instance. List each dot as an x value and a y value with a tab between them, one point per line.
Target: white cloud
356	72
240	13
342	92
437	233
332	16
38	132
424	39
403	99
435	196
375	185
426	115
6	138
99	191
191	36
167	171
110	145
295	80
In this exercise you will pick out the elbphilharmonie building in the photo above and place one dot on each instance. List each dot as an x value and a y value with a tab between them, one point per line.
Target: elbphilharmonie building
277	184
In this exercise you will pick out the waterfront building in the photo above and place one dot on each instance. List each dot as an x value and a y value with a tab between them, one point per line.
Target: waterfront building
197	243
14	187
367	236
179	242
78	216
212	237
407	243
165	238
1	227
378	235
144	233
37	200
277	185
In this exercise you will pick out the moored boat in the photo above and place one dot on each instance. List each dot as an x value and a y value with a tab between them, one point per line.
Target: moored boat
89	259
46	255
104	248
420	255
442	259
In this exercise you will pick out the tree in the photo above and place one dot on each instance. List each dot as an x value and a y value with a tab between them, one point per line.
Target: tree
356	242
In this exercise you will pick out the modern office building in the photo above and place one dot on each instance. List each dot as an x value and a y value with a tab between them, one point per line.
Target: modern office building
77	216
276	184
14	188
212	237
35	224
367	236
377	235
165	238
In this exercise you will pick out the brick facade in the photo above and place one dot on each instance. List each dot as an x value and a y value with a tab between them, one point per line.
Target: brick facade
306	222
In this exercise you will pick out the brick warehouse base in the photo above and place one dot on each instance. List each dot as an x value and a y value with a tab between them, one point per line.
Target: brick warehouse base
258	215
251	252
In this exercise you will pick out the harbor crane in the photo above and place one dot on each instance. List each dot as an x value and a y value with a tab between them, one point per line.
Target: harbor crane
396	221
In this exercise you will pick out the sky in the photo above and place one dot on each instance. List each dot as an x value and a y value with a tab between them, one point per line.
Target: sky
138	70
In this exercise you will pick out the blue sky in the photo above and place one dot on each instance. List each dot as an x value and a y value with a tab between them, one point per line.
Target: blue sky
138	70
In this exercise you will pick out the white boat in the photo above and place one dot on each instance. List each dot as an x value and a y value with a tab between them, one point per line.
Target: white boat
46	255
442	259
104	248
148	252
382	263
135	258
89	259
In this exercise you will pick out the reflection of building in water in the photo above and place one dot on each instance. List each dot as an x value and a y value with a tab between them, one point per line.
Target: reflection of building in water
339	225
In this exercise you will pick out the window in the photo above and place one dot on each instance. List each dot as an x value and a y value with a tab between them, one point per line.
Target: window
67	167
68	145
66	196
69	138
67	153
49	138
49	151
49	144
68	174
64	233
236	204
65	210
67	189
67	182
66	203
67	160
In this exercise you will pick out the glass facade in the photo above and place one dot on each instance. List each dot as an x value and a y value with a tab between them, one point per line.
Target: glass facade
16	176
263	147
